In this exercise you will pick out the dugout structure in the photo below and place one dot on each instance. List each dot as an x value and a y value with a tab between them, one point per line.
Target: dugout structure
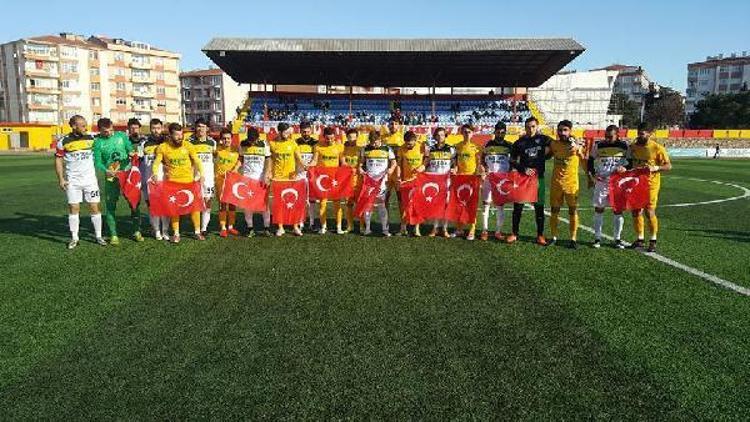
499	62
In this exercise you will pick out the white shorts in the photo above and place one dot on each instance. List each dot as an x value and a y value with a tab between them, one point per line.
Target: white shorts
209	188
77	193
600	197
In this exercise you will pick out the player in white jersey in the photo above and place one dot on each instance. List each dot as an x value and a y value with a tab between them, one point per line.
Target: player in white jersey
440	159
255	156
205	148
306	144
74	165
379	162
606	157
495	159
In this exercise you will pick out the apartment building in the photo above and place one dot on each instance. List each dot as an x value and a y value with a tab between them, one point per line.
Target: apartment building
717	75
212	95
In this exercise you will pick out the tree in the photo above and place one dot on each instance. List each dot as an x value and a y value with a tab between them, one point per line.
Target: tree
621	104
726	111
664	109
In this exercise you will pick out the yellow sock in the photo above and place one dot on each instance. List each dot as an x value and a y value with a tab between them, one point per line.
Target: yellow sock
175	223
339	214
638	224
554	219
195	217
223	219
350	217
472	227
653	226
323	212
573	226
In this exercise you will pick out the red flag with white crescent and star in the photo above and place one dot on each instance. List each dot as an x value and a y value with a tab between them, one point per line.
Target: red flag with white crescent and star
130	183
289	201
430	196
244	192
513	187
629	190
172	199
464	199
330	182
368	193
406	192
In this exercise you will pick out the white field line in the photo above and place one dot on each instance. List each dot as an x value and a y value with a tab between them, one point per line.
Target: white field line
680	266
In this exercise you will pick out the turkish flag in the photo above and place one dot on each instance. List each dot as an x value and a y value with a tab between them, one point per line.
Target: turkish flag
289	201
406	192
629	190
330	182
130	183
513	187
430	196
172	199
464	200
244	192
367	195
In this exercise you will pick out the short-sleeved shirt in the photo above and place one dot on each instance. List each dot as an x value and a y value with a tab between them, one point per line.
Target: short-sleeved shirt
376	160
409	160
466	157
441	159
204	149
254	155
226	159
529	152
605	157
566	164
352	155
178	162
77	152
147	153
649	154
306	152
496	156
283	161
330	155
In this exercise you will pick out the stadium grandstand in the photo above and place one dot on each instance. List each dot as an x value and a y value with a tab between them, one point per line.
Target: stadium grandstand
504	65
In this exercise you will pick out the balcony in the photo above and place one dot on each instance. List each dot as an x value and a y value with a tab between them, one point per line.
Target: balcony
43	57
43	106
142	79
42	90
140	107
139	65
143	94
42	72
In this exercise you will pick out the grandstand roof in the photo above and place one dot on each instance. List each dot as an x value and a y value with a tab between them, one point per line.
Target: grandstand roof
495	62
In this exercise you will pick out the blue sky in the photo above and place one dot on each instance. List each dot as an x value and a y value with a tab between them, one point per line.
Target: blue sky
662	36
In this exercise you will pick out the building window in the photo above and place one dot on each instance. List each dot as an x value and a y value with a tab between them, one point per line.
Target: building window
93	55
159	76
95	86
121	102
68	51
120	86
68	67
119	57
69	84
94	71
140	74
41	50
96	101
160	90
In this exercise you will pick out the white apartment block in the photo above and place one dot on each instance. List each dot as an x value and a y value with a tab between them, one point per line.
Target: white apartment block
717	75
212	95
50	78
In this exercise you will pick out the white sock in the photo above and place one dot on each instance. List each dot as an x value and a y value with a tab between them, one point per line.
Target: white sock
266	219
445	224
96	220
311	214
205	218
165	224
249	219
367	220
485	217
383	214
619	221
74	222
499	218
598	222
155	224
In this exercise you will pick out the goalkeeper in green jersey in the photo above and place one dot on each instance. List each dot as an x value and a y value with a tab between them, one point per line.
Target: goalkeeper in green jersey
112	153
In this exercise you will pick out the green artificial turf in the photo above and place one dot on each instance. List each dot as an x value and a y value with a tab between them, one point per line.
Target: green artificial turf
369	328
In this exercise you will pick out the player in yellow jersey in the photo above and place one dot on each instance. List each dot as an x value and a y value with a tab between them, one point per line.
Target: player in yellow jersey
307	144
351	156
180	164
567	153
410	159
392	136
468	162
226	159
286	163
647	154
329	153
